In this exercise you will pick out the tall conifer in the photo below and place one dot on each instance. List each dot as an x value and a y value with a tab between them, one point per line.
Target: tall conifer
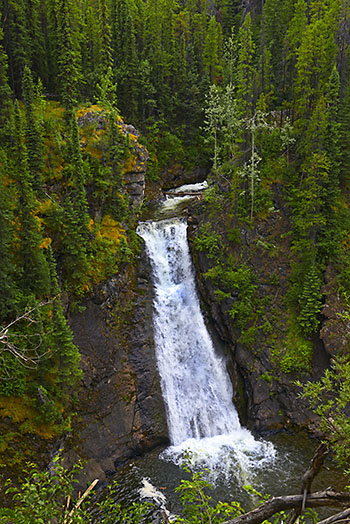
7	284
68	55
34	273
34	142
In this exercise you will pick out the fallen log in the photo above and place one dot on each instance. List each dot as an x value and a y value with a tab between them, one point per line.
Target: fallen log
274	505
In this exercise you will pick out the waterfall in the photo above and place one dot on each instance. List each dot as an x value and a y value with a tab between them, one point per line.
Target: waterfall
194	380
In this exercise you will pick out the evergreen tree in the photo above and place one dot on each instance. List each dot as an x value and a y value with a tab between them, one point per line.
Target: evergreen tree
38	51
16	41
74	256
6	106
277	16
294	36
32	264
7	284
212	49
65	353
315	58
34	142
105	36
75	170
245	72
344	129
68	54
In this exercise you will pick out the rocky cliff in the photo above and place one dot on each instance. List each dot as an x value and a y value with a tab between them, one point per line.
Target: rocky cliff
121	411
263	377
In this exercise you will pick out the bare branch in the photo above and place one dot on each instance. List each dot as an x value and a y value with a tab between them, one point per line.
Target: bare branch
28	358
343	516
277	504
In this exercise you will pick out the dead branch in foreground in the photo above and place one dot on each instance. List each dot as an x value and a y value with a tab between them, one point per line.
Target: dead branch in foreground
27	358
297	503
289	502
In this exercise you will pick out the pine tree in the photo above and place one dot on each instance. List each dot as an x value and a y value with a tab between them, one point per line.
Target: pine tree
316	56
7	284
34	273
6	106
17	42
105	36
69	57
61	338
38	54
74	250
344	122
294	36
245	69
212	49
277	16
126	60
310	301
75	170
34	142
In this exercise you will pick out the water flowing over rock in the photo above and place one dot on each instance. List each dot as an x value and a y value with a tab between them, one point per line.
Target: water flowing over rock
195	383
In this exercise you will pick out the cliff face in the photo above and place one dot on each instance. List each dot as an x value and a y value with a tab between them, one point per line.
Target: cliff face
263	377
120	402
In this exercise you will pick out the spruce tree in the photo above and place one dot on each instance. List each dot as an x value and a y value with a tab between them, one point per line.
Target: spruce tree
34	142
212	49
68	55
105	36
17	42
7	284
245	72
344	122
38	50
64	352
33	268
6	106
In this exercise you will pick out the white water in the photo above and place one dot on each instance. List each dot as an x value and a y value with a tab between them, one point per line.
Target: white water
193	188
195	383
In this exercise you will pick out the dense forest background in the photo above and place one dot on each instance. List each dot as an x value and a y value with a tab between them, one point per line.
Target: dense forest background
256	90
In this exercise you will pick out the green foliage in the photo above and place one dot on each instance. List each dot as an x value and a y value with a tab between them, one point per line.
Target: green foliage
13	376
198	506
295	352
209	242
7	284
42	497
310	301
330	397
239	283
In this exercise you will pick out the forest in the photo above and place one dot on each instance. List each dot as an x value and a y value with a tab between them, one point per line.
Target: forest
254	93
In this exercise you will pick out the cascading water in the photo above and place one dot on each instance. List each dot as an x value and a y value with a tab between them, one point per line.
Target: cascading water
195	383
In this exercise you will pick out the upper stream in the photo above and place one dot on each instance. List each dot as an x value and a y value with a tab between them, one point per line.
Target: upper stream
195	384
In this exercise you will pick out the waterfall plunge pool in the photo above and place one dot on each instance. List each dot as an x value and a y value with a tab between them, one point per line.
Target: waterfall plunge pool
196	388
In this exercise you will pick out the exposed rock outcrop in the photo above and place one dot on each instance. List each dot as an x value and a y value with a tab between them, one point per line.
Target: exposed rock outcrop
93	122
267	399
120	405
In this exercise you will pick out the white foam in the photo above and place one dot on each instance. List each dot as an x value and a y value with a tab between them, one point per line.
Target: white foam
195	384
148	491
190	188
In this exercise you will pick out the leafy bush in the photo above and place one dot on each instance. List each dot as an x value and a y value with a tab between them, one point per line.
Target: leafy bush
44	498
209	242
